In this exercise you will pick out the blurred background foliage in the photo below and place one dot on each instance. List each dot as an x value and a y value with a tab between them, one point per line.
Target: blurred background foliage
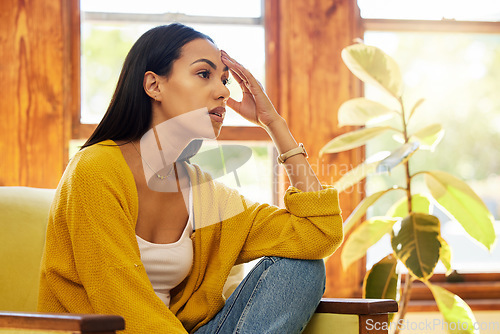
458	75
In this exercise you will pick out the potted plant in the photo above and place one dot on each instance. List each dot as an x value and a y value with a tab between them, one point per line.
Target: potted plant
415	233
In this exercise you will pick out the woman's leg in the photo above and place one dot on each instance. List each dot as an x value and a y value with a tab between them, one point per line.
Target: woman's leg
279	295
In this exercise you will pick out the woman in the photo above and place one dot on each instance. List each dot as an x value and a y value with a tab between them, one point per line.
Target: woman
155	241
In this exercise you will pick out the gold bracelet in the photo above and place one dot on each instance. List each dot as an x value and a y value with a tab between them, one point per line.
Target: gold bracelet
294	151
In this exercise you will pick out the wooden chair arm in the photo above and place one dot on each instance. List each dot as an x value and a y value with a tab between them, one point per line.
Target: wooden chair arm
78	323
351	316
356	306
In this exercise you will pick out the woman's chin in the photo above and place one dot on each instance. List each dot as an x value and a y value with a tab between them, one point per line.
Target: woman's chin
217	128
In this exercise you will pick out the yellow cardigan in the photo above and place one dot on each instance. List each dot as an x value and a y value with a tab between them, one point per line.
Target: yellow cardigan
92	263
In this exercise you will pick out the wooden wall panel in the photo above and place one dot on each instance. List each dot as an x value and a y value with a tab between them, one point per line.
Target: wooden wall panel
35	93
307	81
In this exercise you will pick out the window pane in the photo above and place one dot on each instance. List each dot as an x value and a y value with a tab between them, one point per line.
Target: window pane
457	74
248	8
105	46
462	10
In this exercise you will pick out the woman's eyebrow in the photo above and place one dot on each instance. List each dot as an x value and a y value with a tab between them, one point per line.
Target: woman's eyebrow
209	62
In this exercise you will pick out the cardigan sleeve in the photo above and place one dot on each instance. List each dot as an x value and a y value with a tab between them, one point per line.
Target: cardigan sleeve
93	218
309	228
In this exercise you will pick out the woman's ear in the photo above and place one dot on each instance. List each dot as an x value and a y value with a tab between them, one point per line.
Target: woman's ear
151	85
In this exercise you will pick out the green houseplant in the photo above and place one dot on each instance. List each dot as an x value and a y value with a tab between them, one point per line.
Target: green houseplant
414	232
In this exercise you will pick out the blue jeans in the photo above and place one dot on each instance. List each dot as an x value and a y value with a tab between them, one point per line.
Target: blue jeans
279	295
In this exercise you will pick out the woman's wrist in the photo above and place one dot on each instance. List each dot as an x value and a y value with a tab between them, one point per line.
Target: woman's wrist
278	121
281	136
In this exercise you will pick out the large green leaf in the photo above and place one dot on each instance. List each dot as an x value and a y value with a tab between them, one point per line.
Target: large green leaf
360	111
456	312
417	244
429	136
381	282
419	203
373	66
363	237
445	255
463	204
353	139
398	156
360	210
358	173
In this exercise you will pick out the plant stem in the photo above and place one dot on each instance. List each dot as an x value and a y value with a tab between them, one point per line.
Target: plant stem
405	299
408	186
407	165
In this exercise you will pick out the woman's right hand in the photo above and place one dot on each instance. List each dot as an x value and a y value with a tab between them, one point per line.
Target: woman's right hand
255	105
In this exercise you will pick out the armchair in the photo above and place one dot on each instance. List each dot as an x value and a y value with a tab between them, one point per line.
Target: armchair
23	217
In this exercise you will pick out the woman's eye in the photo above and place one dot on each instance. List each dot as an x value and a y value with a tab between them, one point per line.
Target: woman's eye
226	82
204	74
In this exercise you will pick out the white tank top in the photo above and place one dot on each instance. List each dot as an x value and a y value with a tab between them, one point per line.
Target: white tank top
167	265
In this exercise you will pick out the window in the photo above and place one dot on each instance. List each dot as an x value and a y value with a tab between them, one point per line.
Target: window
479	10
117	25
109	29
449	54
457	75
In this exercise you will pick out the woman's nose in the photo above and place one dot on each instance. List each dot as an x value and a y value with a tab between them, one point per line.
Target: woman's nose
223	92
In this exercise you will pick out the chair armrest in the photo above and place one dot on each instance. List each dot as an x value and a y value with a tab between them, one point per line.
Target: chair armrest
81	323
356	306
351	316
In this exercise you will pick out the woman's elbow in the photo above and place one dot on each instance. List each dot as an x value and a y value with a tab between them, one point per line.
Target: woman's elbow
328	237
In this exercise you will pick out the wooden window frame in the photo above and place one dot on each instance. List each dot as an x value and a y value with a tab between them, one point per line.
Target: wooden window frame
480	290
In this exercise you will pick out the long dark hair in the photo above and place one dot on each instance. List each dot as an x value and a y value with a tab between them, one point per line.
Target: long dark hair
129	115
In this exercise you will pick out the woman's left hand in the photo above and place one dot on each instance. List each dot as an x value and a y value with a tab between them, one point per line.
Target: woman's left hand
255	105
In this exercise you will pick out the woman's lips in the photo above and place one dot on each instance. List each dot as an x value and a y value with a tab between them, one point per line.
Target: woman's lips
217	114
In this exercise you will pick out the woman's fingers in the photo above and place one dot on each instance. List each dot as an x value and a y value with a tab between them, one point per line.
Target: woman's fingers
243	74
233	104
235	65
237	74
255	105
243	84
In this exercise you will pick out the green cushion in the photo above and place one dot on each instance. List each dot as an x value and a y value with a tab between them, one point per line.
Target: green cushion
333	323
23	220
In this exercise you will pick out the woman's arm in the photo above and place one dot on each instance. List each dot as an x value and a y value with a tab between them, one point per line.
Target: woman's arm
257	108
297	167
309	227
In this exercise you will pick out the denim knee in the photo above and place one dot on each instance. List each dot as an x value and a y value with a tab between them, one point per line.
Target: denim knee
316	275
306	274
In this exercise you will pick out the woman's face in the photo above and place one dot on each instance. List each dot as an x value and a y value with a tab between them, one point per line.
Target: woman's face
197	81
